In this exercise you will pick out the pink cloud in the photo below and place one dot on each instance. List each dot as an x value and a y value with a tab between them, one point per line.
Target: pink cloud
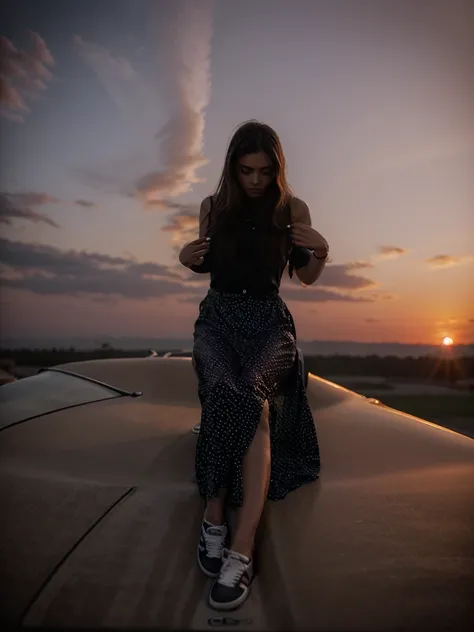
391	252
448	261
23	76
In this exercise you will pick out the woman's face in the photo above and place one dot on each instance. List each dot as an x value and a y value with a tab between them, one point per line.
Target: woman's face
255	173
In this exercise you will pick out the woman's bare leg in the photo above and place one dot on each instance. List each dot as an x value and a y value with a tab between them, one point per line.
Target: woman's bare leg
215	508
256	479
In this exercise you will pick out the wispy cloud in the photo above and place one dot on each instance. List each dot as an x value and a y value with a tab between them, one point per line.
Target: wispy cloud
185	50
359	265
455	326
17	205
85	203
129	91
321	295
183	224
391	252
23	76
448	261
383	296
32	199
9	210
188	56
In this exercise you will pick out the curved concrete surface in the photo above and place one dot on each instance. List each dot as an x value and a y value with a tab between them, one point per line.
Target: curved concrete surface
103	515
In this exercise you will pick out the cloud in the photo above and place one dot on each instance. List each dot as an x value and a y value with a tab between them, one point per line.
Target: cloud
321	295
183	224
187	56
448	261
372	320
455	325
124	85
32	199
10	210
391	252
85	203
308	294
359	265
339	276
17	205
184	52
383	296
51	271
23	76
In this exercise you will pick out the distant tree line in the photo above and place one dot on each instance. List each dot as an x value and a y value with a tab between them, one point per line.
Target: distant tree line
426	367
394	367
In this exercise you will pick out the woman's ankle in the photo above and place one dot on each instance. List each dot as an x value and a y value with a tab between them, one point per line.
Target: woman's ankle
214	513
244	548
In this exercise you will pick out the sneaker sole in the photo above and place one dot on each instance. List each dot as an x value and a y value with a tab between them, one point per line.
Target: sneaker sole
204	570
231	605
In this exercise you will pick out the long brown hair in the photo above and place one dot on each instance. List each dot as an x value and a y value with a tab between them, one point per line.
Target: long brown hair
251	137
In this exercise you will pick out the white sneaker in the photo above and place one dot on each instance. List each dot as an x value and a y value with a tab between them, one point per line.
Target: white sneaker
211	545
232	587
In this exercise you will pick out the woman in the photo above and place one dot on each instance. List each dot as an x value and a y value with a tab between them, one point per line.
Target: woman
257	437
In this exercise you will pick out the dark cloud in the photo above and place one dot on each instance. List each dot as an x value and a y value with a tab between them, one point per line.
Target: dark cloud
337	276
12	207
304	294
340	276
85	203
32	199
48	270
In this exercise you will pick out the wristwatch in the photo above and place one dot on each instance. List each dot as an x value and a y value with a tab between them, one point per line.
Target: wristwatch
320	258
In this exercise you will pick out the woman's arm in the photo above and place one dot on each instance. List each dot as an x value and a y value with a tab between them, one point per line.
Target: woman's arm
304	236
204	217
191	254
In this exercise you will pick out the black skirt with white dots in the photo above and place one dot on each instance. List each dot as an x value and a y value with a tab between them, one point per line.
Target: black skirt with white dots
245	353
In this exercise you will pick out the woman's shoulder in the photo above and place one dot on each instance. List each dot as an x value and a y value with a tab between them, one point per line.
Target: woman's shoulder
206	204
205	217
299	210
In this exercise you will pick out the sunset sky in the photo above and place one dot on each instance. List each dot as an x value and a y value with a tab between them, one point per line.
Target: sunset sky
115	117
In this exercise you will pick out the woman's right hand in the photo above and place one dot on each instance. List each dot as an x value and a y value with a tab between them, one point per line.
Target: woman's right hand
193	253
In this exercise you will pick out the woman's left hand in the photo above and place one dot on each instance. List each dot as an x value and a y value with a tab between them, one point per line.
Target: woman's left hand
304	236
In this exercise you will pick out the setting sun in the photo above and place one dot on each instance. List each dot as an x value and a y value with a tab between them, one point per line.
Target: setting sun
447	341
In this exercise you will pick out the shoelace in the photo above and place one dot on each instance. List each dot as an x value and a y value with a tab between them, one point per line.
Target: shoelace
232	570
214	537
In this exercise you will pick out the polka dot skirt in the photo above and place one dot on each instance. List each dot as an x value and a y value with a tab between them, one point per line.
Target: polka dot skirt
245	353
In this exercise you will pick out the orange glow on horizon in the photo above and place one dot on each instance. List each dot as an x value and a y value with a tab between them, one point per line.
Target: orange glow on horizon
447	341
